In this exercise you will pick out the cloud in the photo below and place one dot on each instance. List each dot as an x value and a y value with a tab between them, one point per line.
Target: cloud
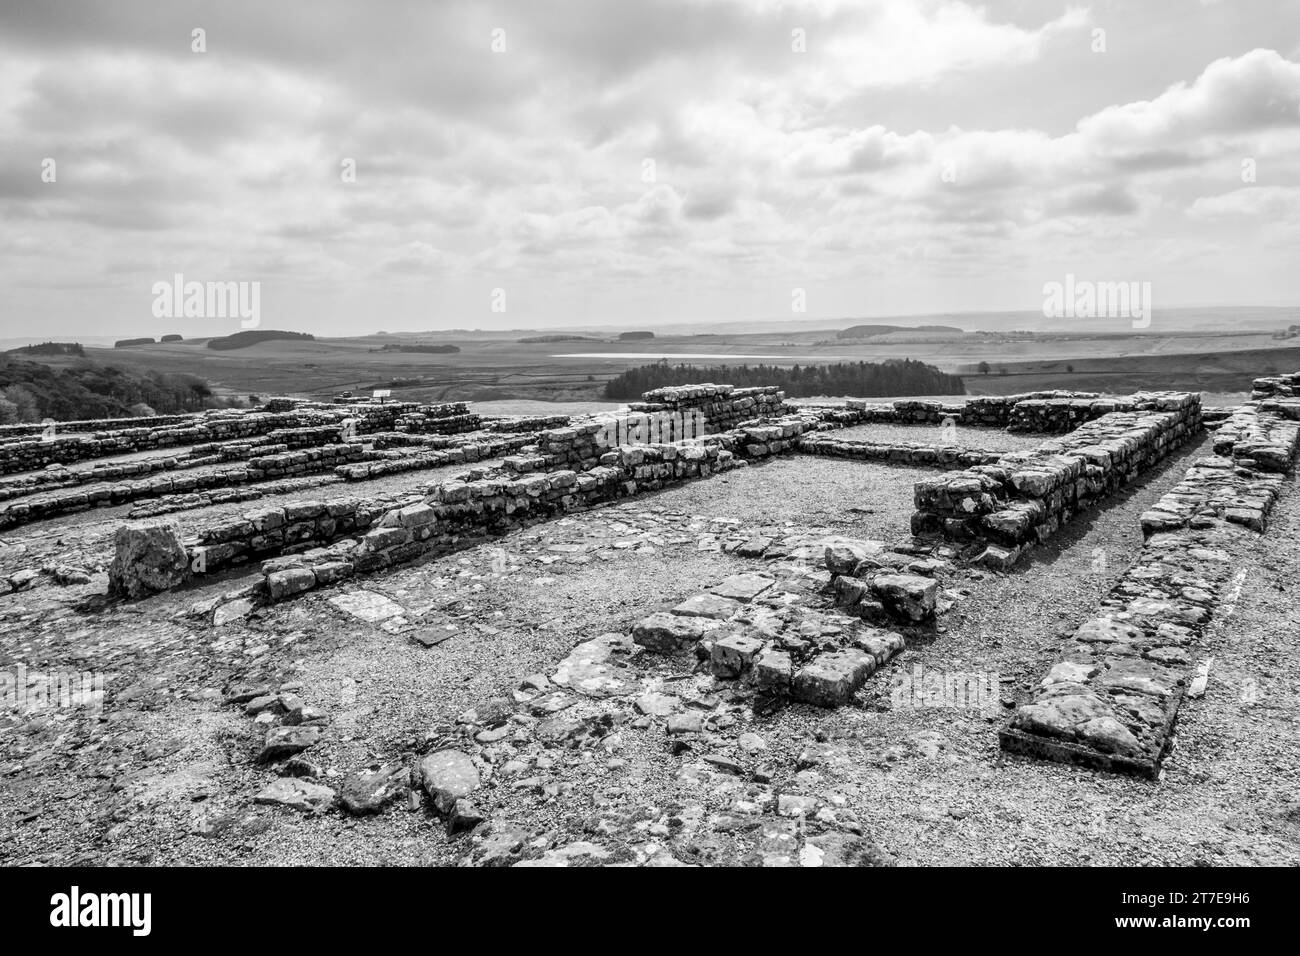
843	160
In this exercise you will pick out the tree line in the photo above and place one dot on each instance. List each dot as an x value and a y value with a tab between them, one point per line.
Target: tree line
857	379
33	392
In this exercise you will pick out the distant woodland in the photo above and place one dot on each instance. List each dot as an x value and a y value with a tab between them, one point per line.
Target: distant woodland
860	379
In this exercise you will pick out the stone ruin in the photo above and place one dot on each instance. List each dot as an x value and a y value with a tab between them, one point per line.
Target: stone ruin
825	614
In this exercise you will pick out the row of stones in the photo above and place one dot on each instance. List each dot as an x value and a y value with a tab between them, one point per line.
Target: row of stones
720	408
21	429
423	423
909	453
270	467
1215	489
169	504
344	460
1112	701
990	411
1287	385
306	525
1261	439
463	452
280	441
1024	497
525	423
28	452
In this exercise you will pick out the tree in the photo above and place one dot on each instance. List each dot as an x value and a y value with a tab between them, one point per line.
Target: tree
24	403
1070	369
984	368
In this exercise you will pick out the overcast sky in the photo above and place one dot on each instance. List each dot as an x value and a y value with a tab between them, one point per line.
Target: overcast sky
634	161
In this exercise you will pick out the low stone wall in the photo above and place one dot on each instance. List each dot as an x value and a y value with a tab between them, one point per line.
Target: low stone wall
527	423
99	424
997	411
1216	490
1026	496
903	453
1254	437
464	452
722	407
298	526
453	418
29	454
1280	386
1111	701
987	411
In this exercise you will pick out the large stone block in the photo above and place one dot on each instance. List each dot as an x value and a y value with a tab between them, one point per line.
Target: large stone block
146	560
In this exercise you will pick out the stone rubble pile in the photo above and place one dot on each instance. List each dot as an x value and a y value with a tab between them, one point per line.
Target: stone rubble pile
753	627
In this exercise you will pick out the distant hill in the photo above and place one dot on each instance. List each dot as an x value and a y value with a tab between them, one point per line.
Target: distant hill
864	331
242	340
50	348
634	336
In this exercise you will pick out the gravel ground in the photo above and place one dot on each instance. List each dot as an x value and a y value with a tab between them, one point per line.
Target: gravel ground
167	774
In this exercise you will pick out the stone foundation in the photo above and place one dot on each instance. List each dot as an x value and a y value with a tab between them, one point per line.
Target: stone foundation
1024	497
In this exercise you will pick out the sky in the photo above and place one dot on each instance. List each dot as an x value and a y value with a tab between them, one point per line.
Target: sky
432	165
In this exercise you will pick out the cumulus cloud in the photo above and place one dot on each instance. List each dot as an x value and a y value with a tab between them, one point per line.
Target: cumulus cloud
715	142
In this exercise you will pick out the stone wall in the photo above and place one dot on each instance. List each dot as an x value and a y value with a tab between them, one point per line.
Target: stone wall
1255	435
99	424
903	453
985	411
995	411
1111	701
29	454
1283	386
1024	497
722	407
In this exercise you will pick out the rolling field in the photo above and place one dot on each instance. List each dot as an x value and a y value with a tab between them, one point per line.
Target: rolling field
496	366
